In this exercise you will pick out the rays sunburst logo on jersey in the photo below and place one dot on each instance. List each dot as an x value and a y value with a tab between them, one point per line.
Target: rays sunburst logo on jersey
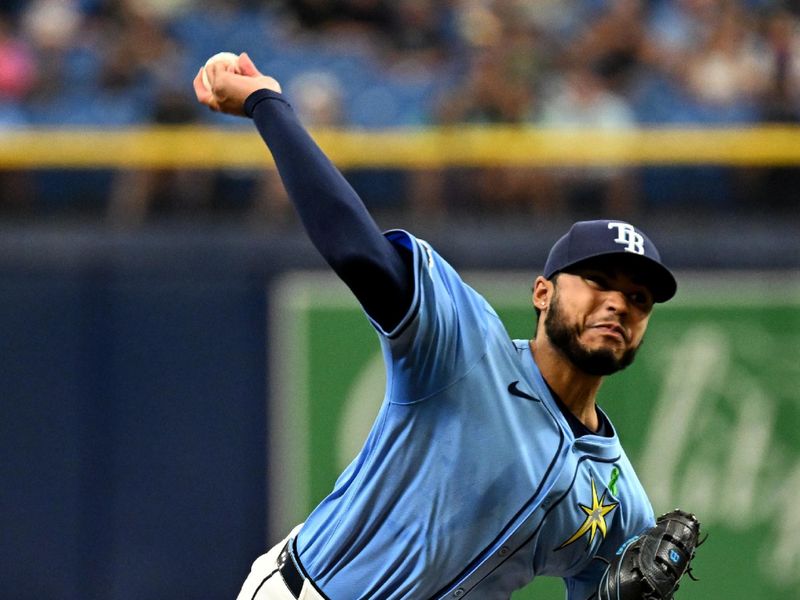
595	519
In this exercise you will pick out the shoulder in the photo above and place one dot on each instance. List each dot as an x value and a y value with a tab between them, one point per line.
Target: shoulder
424	254
434	274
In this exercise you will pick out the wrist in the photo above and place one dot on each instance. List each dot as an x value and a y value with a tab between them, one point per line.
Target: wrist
260	96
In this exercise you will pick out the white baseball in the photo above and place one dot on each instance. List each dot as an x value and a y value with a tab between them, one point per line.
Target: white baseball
225	57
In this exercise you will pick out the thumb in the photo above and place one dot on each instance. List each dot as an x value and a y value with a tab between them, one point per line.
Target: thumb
247	67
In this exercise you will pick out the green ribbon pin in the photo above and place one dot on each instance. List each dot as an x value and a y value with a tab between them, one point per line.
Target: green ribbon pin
612	484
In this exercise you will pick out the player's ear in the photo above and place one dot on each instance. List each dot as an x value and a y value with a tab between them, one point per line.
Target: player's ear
542	293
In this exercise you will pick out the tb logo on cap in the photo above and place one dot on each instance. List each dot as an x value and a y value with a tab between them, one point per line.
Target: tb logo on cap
626	234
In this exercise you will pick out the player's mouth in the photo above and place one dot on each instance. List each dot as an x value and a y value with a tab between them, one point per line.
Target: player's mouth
613	330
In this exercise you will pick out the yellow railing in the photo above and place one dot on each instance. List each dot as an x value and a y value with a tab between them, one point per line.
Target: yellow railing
241	148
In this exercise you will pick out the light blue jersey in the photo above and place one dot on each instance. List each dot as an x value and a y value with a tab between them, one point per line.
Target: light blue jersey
471	482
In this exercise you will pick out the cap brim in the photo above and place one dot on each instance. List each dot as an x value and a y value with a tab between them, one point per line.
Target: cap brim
651	273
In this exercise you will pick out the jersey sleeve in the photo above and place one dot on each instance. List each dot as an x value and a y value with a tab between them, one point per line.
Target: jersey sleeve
443	333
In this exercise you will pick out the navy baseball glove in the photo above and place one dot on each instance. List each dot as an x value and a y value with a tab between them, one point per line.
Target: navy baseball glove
650	565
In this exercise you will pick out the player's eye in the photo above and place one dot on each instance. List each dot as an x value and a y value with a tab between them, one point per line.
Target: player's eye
596	280
641	299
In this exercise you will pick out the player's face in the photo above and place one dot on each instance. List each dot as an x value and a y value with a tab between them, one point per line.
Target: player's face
597	318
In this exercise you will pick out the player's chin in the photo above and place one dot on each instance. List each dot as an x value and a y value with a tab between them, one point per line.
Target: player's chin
612	355
599	362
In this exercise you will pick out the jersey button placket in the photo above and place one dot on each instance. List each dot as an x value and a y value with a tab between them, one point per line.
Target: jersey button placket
458	593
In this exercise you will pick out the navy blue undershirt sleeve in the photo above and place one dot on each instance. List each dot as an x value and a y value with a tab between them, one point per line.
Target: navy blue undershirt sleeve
335	218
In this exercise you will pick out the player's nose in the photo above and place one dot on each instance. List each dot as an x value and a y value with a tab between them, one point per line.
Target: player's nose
616	301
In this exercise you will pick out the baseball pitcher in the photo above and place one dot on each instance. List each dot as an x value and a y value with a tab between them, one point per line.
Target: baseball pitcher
489	463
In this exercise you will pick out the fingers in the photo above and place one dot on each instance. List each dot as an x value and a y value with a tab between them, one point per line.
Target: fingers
204	95
216	69
247	67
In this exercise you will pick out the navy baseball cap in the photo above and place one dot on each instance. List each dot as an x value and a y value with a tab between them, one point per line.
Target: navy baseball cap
592	239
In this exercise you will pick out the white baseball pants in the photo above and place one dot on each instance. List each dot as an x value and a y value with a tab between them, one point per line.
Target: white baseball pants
265	581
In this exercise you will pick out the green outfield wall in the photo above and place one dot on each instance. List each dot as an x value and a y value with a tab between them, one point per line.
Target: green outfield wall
709	413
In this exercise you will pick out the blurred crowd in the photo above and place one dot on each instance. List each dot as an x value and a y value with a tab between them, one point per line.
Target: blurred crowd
394	62
379	63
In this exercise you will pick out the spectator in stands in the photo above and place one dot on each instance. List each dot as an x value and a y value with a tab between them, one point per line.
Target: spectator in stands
17	77
781	104
343	14
17	64
727	70
781	100
582	99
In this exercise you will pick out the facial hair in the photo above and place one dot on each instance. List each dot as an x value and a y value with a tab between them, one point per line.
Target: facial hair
566	338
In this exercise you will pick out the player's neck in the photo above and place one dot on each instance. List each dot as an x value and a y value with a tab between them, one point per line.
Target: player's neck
576	389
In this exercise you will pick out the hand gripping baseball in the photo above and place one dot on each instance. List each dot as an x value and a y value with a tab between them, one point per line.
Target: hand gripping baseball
230	85
650	565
